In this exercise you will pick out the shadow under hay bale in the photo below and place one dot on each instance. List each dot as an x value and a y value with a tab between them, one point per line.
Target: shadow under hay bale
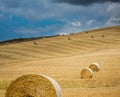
32	85
94	67
86	73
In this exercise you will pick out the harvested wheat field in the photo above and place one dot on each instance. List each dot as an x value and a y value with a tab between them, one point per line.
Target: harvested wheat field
63	59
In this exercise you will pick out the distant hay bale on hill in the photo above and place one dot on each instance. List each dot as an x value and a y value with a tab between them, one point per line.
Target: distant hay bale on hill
103	36
86	73
94	67
32	85
69	38
36	43
92	36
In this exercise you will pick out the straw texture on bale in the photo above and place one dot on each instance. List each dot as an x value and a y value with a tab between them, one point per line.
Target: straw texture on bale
94	67
32	85
86	73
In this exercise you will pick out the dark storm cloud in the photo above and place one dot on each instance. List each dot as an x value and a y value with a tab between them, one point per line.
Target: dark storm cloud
84	2
10	3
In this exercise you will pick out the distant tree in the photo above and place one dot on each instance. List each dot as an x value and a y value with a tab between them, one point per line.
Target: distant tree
71	33
57	34
19	38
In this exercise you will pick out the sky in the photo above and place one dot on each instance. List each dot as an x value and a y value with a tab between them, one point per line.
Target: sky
37	18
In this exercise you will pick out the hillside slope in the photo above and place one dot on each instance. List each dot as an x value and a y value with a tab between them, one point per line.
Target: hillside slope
48	48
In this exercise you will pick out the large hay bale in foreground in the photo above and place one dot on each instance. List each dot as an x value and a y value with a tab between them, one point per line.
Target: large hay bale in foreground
94	67
86	73
32	85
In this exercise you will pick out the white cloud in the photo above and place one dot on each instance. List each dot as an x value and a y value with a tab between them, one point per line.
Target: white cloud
63	33
113	21
90	22
114	9
76	24
67	29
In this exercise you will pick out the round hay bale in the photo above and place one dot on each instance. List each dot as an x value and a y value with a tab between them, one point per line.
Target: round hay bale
86	73
103	36
92	36
94	67
69	38
32	85
36	43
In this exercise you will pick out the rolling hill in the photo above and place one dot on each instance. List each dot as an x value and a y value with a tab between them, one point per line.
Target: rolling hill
63	57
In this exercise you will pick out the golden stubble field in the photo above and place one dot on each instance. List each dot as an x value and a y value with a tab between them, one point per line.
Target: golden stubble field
63	57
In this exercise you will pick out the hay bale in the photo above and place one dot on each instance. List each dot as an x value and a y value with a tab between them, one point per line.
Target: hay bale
32	85
69	38
92	36
94	67
103	36
35	43
86	73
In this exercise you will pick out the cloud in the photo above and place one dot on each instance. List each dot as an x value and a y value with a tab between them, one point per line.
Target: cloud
76	24
84	2
113	21
32	9
10	3
114	9
90	22
69	27
63	33
36	9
